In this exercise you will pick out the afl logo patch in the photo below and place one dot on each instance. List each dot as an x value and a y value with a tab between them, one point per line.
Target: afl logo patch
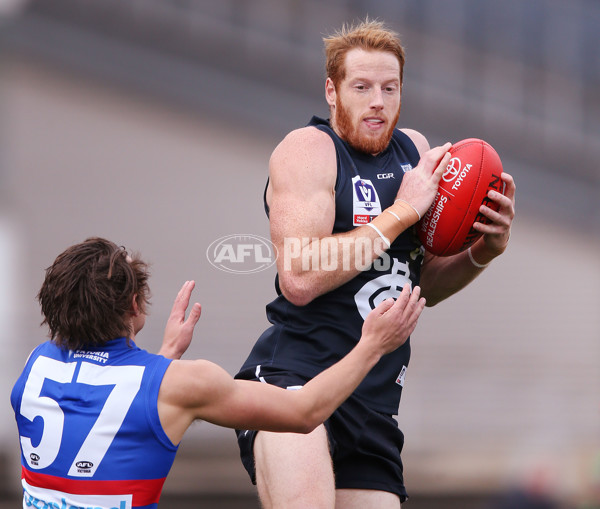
84	467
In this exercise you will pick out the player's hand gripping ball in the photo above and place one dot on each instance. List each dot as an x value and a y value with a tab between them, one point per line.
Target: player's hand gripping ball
474	169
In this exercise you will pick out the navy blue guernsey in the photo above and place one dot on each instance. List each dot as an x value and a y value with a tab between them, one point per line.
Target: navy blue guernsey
308	339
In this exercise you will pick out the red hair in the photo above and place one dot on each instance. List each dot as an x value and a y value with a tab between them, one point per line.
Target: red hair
369	35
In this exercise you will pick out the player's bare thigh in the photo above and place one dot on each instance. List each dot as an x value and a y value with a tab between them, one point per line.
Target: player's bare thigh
366	499
294	470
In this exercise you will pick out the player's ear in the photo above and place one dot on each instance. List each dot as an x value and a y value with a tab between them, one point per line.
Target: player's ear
330	92
135	308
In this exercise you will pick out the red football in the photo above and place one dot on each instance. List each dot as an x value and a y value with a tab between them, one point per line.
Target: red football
474	169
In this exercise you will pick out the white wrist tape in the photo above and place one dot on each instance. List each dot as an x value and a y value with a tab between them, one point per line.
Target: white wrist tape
478	265
404	201
384	238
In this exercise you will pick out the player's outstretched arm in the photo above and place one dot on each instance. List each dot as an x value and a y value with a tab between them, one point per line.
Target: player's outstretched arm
202	390
179	331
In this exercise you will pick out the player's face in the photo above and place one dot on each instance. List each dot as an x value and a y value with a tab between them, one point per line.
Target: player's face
365	106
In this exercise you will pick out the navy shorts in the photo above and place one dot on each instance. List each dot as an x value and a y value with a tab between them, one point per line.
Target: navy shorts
365	445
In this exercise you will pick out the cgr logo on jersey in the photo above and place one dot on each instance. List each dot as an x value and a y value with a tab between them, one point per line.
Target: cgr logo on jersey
366	204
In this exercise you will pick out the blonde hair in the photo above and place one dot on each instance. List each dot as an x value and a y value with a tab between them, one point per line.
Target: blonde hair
369	35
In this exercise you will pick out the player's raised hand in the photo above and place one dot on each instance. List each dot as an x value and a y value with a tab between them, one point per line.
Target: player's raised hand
388	326
497	233
420	185
179	331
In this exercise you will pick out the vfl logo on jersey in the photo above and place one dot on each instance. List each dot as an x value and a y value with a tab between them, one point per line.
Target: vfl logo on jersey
382	287
366	205
406	167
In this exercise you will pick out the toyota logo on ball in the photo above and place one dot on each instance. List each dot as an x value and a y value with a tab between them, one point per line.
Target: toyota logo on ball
452	169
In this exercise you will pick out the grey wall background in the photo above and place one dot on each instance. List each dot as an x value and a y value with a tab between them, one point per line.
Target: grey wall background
151	123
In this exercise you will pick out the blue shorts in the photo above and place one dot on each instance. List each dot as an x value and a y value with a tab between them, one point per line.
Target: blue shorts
365	445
